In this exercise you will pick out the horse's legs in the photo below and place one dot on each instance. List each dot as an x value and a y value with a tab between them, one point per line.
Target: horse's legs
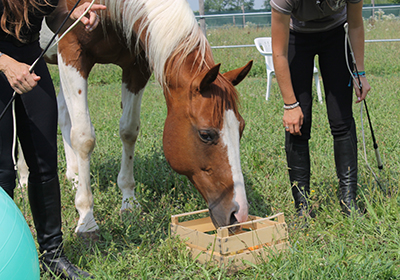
129	130
22	168
65	125
82	138
64	122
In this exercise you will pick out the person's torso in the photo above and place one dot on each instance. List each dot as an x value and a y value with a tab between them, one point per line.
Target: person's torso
313	15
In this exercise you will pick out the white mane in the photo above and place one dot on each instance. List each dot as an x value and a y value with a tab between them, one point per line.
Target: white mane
169	26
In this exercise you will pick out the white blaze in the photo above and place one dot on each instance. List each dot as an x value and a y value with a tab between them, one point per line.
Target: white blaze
230	136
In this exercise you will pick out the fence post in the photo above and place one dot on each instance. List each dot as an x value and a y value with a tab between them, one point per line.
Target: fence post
244	17
202	19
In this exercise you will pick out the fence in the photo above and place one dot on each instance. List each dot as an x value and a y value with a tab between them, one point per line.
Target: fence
263	19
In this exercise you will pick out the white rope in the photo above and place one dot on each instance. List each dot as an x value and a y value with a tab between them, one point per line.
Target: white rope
14	134
347	39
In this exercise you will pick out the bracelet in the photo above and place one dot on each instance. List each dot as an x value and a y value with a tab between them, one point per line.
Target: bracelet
1	54
360	74
291	106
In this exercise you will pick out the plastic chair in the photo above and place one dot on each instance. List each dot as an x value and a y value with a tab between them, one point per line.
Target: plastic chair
263	45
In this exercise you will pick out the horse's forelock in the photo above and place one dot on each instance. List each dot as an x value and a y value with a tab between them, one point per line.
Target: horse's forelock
168	28
224	97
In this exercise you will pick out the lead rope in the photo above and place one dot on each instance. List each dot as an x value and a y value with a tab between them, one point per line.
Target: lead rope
359	85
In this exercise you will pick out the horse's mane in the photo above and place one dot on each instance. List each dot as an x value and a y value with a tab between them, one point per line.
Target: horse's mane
170	33
168	26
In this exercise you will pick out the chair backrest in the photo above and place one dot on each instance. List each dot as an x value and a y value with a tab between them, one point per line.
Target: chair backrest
263	45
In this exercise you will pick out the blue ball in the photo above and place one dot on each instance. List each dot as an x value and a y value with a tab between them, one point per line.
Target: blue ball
18	254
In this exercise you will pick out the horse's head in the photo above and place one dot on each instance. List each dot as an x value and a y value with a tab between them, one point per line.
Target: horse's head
201	139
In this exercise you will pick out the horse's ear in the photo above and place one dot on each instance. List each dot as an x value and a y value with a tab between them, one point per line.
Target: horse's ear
237	75
205	78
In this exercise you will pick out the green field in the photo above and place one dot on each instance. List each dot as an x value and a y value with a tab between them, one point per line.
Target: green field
139	245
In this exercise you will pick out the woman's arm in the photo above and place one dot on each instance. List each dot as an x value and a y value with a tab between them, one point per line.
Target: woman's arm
292	118
356	35
90	21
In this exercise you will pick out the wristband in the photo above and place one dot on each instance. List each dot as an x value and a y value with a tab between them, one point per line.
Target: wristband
360	74
291	106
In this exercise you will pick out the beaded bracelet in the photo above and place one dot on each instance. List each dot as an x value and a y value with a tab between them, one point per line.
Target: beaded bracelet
360	74
291	106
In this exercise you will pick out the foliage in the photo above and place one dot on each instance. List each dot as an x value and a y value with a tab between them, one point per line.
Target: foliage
228	5
380	2
138	244
267	5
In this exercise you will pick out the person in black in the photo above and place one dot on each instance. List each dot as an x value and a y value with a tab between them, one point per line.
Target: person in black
300	30
36	118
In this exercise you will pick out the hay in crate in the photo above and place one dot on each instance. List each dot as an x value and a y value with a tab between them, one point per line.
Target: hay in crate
257	238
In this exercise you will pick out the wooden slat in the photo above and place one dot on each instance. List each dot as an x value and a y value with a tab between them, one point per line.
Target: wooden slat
261	220
194	237
235	261
261	236
222	232
203	224
188	214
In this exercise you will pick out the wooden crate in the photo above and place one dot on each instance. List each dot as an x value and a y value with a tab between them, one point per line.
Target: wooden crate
257	238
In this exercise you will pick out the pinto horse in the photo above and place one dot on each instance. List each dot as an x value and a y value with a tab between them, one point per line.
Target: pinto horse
203	126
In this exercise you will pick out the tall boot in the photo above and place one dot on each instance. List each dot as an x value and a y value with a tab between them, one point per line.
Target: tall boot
345	148
45	202
298	161
7	181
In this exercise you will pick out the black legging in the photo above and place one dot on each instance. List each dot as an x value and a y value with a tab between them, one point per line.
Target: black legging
329	46
36	114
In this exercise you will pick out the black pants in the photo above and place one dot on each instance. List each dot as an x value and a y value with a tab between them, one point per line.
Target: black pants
329	46
36	115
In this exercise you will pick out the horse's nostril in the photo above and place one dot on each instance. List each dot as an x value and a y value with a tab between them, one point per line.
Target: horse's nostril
233	221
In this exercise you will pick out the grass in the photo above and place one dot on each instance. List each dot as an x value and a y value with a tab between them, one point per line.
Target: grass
139	245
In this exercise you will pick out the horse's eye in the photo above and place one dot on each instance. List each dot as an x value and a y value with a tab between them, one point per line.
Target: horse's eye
208	136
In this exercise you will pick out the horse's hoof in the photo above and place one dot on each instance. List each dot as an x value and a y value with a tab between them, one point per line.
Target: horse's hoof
89	236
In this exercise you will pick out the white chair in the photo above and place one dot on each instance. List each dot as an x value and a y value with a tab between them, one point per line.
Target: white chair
263	45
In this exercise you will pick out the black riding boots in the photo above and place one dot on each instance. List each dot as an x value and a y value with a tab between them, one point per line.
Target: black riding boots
298	161
345	148
44	199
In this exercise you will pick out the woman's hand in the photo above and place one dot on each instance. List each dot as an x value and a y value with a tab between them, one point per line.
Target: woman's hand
293	120
91	19
365	89
18	74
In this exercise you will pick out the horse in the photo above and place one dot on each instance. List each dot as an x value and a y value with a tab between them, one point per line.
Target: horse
203	127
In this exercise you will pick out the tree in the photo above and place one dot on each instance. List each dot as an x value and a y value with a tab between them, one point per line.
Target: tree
235	5
267	5
227	5
214	5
